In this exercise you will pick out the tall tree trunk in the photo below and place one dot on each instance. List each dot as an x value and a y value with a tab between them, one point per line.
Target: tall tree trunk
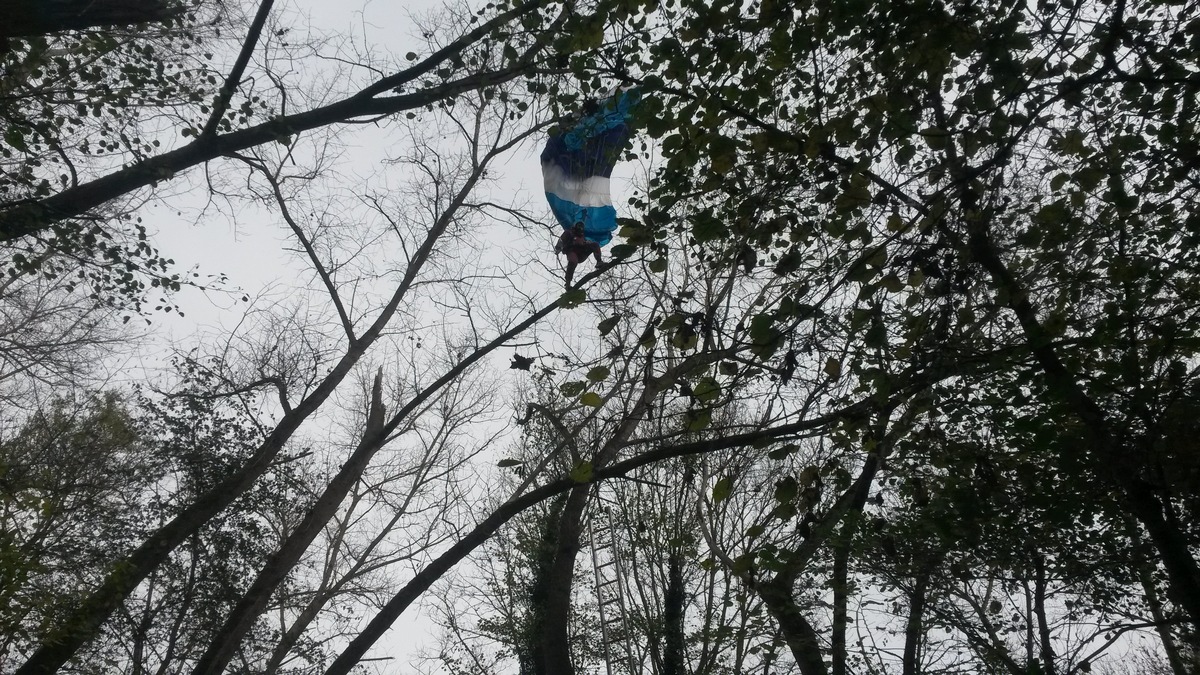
1154	603
841	598
1039	609
556	638
673	604
1183	574
799	634
531	654
914	628
1118	463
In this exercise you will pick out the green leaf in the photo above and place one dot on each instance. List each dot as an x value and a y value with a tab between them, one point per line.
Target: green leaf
636	234
572	389
723	164
14	137
876	335
699	419
722	490
706	390
591	399
854	196
608	324
1089	178
658	265
790	262
755	530
1052	214
1074	142
685	338
572	298
833	368
504	463
622	251
786	489
707	227
723	154
765	336
598	374
936	137
582	473
648	338
892	283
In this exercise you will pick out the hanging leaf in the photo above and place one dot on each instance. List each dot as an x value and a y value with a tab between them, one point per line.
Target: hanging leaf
833	368
606	326
598	374
706	390
648	338
722	490
621	251
786	489
572	298
936	138
572	389
582	473
698	420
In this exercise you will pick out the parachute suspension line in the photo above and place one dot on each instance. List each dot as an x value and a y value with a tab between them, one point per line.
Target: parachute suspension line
611	586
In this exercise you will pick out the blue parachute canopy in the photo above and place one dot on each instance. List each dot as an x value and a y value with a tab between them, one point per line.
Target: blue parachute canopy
577	164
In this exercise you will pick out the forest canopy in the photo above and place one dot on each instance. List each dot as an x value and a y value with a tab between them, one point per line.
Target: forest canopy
890	369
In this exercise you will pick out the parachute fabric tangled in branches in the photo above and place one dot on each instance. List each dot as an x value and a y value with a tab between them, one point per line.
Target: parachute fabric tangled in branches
577	164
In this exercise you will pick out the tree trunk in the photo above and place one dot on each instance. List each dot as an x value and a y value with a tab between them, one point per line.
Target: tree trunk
1183	575
914	629
1115	461
799	634
1154	603
841	598
532	654
1039	609
556	638
673	603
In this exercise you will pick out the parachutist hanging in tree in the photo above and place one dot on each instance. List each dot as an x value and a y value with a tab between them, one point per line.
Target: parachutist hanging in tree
577	164
577	248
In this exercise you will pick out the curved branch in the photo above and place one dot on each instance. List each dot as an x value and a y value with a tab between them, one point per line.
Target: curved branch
35	217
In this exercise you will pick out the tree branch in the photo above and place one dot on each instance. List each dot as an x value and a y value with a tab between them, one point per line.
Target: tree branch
239	66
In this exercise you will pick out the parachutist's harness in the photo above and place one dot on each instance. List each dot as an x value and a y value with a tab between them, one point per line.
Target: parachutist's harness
577	247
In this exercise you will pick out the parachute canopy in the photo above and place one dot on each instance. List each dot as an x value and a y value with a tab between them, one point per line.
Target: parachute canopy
577	164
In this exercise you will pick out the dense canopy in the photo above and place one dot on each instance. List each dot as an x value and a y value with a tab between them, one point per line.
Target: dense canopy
895	369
